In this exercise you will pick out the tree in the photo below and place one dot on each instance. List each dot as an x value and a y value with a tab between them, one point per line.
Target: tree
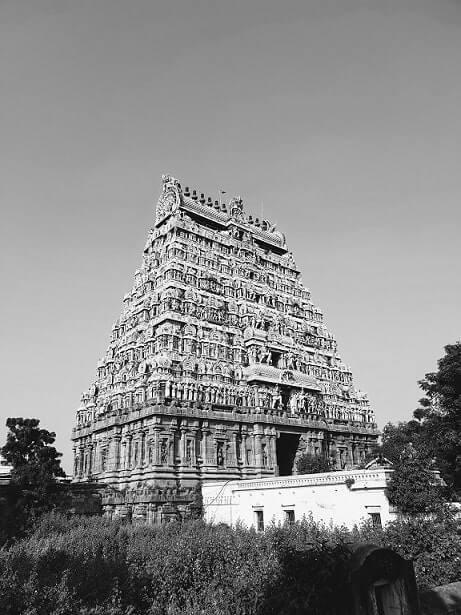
440	415
196	506
36	464
312	464
413	487
397	437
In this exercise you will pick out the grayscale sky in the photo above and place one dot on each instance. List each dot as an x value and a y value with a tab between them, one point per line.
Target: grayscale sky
342	119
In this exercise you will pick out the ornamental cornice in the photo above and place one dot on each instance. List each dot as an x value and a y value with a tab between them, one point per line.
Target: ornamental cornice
245	415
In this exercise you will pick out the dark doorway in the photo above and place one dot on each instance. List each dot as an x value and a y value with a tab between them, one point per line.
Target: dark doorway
287	445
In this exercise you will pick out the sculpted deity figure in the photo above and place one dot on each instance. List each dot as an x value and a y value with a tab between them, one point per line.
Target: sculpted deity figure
264	455
294	403
220	455
266	357
259	322
164	452
278	401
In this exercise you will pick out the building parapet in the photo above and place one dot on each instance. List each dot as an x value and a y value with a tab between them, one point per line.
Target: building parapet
378	476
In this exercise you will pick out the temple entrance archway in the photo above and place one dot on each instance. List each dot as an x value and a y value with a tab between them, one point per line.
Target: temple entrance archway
286	447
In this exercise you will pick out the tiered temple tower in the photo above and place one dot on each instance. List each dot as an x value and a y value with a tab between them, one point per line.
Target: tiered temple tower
219	366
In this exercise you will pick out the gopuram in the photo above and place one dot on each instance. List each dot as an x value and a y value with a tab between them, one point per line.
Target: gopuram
219	366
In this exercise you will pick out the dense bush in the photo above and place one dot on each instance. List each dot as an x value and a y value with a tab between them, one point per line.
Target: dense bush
312	464
80	566
412	488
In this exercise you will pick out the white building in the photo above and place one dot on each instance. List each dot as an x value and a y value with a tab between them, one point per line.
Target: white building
5	472
342	498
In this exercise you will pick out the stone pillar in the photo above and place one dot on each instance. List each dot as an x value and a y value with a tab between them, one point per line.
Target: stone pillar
272	454
349	459
90	459
113	460
123	455
243	450
142	452
233	461
156	454
258	448
129	452
194	433
203	447
209	449
76	460
252	450
182	446
81	452
171	451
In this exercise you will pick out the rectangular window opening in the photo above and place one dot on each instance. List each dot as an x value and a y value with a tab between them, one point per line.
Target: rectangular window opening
259	516
375	519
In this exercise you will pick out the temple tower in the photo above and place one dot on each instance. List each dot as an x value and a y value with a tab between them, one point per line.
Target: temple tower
219	366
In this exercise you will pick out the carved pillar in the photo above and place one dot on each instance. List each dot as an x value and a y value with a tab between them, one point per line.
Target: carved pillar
156	453
114	453
252	450
234	450
258	447
171	451
210	448
81	453
90	459
272	451
182	446
76	460
349	458
204	446
194	445
129	452
142	452
243	450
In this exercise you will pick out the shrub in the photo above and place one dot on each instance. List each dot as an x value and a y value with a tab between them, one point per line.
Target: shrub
312	464
93	566
411	488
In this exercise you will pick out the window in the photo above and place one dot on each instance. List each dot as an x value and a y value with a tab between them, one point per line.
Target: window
289	516
375	519
259	517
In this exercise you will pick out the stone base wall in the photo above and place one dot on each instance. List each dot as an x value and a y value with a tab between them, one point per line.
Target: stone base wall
154	506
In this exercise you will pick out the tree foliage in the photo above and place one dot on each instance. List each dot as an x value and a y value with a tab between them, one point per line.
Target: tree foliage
36	463
36	466
440	414
312	464
396	438
413	488
435	431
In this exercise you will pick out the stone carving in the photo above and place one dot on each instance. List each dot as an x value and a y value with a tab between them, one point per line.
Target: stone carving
170	198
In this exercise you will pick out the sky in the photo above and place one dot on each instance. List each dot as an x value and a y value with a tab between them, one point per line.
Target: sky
340	120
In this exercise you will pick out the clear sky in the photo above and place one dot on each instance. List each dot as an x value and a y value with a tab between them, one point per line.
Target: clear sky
341	118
